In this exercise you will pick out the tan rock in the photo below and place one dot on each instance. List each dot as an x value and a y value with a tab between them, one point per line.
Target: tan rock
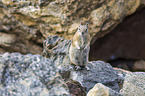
102	15
101	90
41	18
139	66
7	39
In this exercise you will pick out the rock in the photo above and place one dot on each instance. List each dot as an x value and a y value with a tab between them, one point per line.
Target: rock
75	88
121	75
36	75
13	43
29	74
101	90
6	39
121	72
56	48
139	65
134	84
57	15
96	72
125	41
34	20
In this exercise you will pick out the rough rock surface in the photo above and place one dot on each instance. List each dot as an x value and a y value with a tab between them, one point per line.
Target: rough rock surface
31	21
75	88
13	42
97	72
56	48
55	76
26	75
121	72
59	16
34	74
134	84
101	90
121	75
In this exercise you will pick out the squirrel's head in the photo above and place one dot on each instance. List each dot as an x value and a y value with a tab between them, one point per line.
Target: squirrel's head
83	29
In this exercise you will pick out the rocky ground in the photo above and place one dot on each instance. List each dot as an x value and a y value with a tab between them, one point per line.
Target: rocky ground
53	74
35	36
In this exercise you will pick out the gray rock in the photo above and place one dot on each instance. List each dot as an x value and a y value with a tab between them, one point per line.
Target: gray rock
29	75
121	72
96	72
121	75
26	85
134	84
101	90
56	48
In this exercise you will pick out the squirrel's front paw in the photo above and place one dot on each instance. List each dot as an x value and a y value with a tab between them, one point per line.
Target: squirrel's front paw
78	47
77	68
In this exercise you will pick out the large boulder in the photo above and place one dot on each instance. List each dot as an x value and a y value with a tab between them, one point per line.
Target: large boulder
97	72
33	20
57	17
26	75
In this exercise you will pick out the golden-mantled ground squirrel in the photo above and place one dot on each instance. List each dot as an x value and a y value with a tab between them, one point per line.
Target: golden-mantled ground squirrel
80	47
